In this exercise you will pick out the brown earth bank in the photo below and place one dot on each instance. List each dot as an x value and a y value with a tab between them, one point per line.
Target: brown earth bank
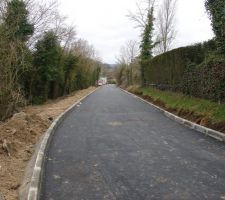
186	114
18	136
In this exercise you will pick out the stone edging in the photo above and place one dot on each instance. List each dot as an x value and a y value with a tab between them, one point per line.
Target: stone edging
207	131
31	187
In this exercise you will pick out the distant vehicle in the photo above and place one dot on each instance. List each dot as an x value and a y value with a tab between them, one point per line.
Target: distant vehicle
102	81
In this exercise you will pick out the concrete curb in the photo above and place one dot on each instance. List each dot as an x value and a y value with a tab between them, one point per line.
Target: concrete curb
31	187
207	131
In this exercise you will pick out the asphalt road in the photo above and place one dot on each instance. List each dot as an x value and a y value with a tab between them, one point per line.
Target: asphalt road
115	147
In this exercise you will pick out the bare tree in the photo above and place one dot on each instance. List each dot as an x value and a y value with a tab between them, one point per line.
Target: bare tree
42	14
69	36
83	49
165	26
66	33
127	62
132	52
141	15
128	52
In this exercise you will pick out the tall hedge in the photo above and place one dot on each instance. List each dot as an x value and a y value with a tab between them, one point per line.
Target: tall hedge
216	9
191	70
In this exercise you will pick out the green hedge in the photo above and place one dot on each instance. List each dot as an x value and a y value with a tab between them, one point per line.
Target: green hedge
191	70
206	80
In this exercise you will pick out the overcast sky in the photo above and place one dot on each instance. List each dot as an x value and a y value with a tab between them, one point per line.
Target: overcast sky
105	25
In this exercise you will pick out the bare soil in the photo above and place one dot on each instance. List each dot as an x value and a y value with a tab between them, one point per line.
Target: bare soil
19	135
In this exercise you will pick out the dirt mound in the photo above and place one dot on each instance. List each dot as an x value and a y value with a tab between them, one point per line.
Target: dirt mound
19	135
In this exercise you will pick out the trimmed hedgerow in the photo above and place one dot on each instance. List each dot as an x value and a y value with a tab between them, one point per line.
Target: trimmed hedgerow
193	70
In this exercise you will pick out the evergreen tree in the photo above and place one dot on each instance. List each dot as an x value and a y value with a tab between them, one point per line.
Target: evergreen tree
16	31
16	21
49	71
216	9
15	57
70	72
147	44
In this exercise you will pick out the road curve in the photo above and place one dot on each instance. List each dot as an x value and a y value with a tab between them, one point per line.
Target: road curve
115	147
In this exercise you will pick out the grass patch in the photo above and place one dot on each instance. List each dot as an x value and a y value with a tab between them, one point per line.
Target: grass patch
178	101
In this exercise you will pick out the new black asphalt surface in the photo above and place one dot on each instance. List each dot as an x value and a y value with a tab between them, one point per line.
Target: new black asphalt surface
115	147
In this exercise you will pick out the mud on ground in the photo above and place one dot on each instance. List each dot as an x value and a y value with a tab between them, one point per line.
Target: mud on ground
19	135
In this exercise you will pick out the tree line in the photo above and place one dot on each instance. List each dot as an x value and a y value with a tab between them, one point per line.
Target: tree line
157	36
196	70
40	56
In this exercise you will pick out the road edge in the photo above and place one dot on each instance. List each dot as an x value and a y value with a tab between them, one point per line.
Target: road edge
207	131
30	187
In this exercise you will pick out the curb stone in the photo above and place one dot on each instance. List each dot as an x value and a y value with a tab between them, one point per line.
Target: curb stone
30	187
207	131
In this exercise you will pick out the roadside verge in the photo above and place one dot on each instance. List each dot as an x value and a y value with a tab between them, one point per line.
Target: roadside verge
207	131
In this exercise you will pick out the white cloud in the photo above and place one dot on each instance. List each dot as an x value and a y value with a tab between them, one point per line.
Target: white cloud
105	25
